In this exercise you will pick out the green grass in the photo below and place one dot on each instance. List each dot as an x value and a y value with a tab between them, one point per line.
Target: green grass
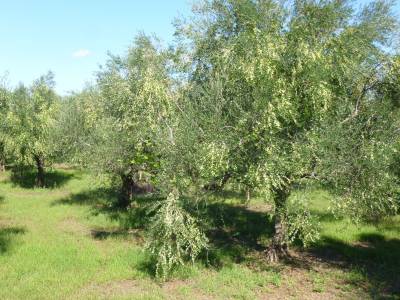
64	243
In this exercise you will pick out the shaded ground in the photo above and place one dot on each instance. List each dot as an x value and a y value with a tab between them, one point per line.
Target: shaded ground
70	242
376	257
7	235
25	177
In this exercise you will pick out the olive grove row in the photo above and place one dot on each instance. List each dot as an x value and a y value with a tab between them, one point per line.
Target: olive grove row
253	93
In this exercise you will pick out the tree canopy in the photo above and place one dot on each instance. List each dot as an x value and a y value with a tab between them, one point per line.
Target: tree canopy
29	123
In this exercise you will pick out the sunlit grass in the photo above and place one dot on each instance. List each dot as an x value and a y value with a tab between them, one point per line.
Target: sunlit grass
58	244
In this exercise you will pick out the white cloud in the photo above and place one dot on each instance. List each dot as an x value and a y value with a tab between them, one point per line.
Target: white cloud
81	53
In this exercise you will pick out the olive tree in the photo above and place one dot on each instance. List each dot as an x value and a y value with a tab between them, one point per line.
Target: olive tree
134	97
4	102
267	95
295	81
30	119
75	127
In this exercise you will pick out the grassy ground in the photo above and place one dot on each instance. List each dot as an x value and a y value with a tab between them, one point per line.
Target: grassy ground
63	243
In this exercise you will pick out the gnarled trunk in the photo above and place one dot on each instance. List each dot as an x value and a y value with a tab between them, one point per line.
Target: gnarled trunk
218	183
127	190
40	171
131	187
278	247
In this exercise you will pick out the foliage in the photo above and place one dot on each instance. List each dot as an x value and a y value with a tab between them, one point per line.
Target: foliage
74	129
389	86
4	102
133	99
299	222
290	82
356	162
30	122
173	235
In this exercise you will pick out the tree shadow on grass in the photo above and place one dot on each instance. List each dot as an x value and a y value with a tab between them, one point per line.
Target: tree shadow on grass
238	233
105	201
96	198
235	232
378	259
116	233
25	177
7	236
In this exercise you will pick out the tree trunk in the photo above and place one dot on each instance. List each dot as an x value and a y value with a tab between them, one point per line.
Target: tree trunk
2	165
218	183
40	171
2	158
278	247
248	196
131	187
127	190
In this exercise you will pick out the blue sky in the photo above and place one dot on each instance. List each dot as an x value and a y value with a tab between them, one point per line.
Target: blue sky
72	37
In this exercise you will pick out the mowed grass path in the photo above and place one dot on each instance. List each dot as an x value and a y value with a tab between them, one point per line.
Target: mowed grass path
57	244
46	249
